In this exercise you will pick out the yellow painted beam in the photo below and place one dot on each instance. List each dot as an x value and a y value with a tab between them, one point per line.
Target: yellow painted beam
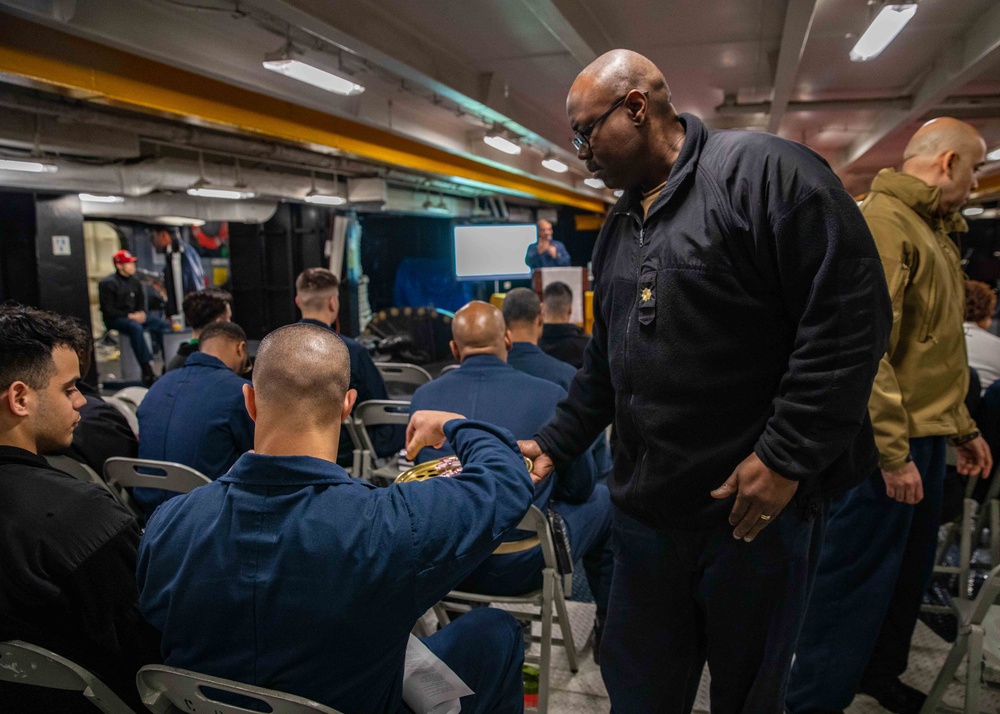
56	58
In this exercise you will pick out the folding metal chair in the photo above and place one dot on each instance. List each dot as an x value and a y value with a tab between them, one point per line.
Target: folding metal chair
132	396
551	601
977	644
80	471
402	378
23	663
449	368
377	412
122	473
168	690
126	410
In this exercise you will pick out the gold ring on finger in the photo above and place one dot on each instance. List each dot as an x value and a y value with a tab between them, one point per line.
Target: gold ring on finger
765	518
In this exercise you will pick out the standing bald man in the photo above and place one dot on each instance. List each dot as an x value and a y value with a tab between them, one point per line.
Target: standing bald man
739	316
879	552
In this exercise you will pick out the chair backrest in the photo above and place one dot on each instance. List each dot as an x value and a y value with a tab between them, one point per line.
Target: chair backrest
126	410
165	690
403	373
80	471
449	368
132	396
23	663
129	473
374	412
535	520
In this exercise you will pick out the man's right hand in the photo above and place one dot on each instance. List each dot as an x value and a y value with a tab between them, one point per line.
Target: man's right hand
904	484
426	428
542	463
138	316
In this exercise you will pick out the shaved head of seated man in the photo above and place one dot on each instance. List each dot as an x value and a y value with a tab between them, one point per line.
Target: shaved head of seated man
485	387
67	548
288	573
317	295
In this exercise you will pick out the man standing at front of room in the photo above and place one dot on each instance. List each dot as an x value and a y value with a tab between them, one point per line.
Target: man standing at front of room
740	312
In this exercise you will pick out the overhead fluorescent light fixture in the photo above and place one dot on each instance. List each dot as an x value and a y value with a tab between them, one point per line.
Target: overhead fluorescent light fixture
99	198
202	189
501	143
323	199
594	183
891	19
994	155
178	221
35	167
314	75
554	164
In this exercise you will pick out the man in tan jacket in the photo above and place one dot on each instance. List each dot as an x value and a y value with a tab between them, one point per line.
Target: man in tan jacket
879	550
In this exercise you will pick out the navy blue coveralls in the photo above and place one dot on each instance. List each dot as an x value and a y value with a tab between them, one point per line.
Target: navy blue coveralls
194	416
486	388
289	574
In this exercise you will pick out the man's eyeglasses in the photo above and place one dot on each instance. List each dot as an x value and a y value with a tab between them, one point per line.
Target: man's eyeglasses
581	137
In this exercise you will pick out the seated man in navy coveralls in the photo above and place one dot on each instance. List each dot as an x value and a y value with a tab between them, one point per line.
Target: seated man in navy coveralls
317	295
194	415
524	315
487	388
289	574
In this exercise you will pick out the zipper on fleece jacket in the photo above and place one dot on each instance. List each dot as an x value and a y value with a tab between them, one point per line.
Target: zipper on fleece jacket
628	379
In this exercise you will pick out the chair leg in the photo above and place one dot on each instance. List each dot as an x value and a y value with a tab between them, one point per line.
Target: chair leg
566	627
545	658
995	532
965	547
974	673
442	614
947	674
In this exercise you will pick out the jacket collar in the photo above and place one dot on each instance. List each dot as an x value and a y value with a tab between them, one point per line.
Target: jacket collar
310	321
258	469
525	348
483	362
695	136
200	359
922	198
16	455
562	329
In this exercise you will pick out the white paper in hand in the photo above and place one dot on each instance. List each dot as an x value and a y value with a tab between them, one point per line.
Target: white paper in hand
429	685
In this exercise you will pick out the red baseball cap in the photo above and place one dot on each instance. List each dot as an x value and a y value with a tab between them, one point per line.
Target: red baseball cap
123	256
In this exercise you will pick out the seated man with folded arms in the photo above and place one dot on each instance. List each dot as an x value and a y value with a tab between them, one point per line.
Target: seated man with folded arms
201	308
317	295
102	431
194	415
485	387
67	548
523	314
288	574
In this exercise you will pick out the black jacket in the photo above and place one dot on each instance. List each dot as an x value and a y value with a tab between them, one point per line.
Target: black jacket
120	295
564	342
67	581
747	313
183	352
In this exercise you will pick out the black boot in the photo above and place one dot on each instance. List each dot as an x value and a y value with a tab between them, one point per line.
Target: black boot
147	374
597	635
893	695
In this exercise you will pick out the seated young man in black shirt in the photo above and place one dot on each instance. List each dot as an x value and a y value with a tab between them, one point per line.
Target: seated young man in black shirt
67	548
201	308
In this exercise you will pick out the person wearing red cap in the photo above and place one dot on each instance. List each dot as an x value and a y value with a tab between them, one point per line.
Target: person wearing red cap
123	307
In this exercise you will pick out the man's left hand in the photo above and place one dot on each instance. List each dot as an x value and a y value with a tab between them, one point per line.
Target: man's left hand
761	494
553	251
974	458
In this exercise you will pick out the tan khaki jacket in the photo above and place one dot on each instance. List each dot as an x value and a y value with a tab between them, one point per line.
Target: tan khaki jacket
923	378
